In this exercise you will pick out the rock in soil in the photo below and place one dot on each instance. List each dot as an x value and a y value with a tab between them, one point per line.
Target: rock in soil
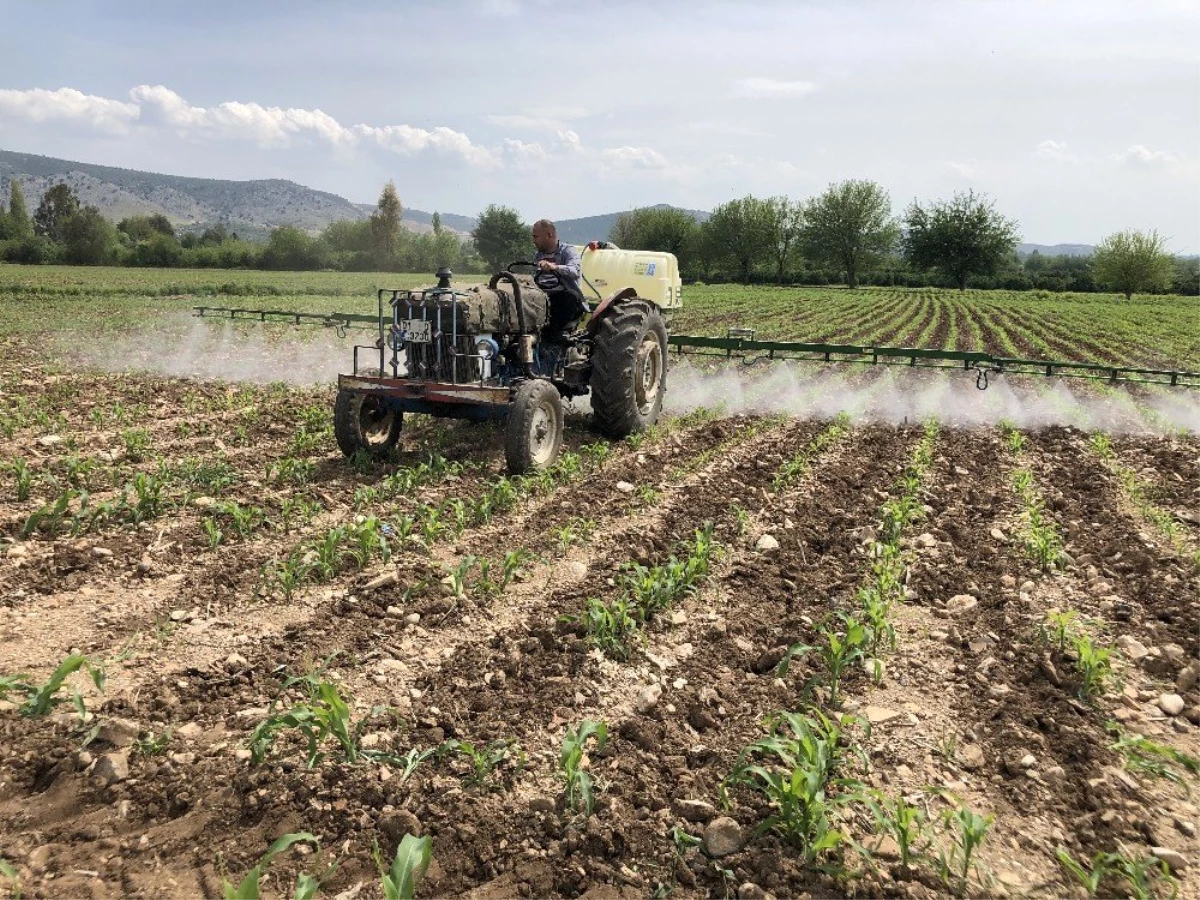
118	732
113	767
723	836
1175	860
1171	704
695	810
766	543
649	697
1188	678
961	604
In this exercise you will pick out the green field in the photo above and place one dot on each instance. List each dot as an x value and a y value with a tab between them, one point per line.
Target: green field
1152	331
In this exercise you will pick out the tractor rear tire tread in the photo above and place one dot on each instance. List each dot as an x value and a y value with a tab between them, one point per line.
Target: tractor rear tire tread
614	393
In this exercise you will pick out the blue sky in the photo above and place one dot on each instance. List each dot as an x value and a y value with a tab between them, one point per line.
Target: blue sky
1079	119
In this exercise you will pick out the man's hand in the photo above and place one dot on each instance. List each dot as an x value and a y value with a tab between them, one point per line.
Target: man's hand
546	265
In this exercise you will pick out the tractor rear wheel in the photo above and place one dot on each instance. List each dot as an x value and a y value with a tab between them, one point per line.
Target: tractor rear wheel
533	437
365	422
629	369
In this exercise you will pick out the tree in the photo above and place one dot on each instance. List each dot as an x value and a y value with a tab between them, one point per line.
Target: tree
142	228
58	205
385	226
291	249
741	233
848	226
963	236
787	218
1130	261
88	238
661	228
18	214
501	237
436	222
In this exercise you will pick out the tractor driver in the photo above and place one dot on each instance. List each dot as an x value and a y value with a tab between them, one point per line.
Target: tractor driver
557	272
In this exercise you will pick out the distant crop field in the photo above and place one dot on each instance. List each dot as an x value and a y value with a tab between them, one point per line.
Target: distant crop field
1161	332
863	632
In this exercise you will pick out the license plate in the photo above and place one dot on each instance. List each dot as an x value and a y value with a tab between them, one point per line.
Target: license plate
418	331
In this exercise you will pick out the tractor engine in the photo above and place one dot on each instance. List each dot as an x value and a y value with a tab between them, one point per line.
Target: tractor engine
470	335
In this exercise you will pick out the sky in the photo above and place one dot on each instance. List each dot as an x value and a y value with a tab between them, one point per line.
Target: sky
1078	119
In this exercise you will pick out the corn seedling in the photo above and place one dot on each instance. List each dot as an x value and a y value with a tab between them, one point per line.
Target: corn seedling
49	517
23	478
967	831
1089	877
7	871
292	470
648	496
297	511
410	761
796	768
212	531
1141	875
243	519
579	786
325	714
1148	757
741	518
907	824
41	699
486	759
408	867
1042	540
1060	628
1102	446
137	444
456	577
837	649
1094	665
513	561
248	887
610	627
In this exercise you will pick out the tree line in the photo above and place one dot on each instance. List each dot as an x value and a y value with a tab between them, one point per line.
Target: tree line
846	235
62	229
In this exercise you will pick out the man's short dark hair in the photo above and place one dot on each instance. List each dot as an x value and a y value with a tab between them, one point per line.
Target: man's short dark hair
546	225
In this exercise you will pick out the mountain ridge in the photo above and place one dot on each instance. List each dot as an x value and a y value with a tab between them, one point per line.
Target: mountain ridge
255	206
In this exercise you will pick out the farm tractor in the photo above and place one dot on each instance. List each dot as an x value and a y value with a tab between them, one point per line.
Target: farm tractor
478	353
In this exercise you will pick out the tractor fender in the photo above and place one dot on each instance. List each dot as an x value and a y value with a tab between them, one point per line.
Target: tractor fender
606	304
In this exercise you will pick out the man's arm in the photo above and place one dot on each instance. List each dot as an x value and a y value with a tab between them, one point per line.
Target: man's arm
570	264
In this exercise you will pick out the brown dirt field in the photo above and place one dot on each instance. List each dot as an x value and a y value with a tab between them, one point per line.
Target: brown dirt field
198	639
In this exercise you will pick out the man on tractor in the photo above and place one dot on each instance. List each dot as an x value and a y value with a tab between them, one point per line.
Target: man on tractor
558	272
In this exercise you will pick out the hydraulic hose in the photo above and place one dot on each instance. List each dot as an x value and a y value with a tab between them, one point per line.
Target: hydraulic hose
511	279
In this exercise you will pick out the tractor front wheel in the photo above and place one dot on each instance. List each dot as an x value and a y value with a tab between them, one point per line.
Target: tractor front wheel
535	425
364	422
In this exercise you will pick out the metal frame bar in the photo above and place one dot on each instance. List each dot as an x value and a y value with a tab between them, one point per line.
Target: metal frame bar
916	357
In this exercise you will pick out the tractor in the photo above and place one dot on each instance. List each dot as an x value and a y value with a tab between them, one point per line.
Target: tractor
479	353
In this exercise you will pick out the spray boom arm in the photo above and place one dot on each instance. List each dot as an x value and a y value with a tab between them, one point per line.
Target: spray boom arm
741	343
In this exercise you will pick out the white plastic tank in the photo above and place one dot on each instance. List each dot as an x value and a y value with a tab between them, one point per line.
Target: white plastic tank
654	275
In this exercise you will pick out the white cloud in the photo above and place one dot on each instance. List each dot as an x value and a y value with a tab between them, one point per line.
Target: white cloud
634	157
1055	150
1137	155
771	88
68	104
969	170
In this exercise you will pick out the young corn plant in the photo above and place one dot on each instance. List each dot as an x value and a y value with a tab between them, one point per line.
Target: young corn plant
967	830
580	794
486	759
323	715
1148	757
456	577
1087	876
408	868
1060	628
797	768
1093	664
610	626
40	700
248	887
22	477
906	823
838	649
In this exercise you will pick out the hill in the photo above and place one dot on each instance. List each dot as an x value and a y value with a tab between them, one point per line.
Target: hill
591	228
246	206
1055	249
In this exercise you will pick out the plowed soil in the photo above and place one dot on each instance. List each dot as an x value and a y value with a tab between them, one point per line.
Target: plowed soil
198	641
